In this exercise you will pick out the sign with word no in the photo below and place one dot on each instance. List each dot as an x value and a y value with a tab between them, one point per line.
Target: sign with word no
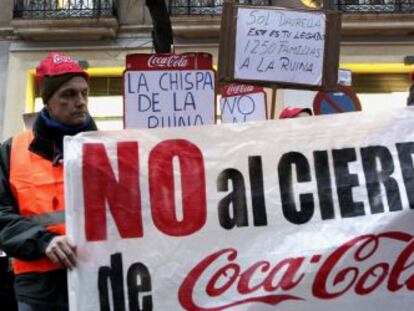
311	214
242	103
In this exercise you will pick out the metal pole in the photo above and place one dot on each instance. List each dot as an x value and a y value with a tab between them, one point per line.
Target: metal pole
329	5
273	103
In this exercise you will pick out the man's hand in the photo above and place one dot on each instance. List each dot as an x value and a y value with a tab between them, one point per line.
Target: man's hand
62	252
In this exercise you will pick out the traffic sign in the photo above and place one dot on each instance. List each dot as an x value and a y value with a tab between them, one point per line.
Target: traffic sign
343	99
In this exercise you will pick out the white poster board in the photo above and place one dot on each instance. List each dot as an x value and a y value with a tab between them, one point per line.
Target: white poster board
345	77
241	103
169	91
280	45
254	216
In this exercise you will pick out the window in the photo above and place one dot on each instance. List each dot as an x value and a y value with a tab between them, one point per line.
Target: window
63	8
204	7
401	6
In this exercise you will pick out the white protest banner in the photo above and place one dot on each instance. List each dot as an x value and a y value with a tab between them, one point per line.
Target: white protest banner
169	90
242	103
293	215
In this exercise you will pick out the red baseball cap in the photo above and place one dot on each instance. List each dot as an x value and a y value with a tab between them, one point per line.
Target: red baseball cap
292	112
57	64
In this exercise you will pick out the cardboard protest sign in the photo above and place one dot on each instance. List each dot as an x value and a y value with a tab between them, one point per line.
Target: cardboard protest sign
275	46
169	90
242	103
234	217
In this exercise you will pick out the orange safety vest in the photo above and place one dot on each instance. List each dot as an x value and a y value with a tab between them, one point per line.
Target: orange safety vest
37	186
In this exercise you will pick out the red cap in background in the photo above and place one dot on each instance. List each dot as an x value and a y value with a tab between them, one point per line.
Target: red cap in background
292	112
57	64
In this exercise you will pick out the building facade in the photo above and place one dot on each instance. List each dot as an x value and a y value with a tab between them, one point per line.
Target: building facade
377	44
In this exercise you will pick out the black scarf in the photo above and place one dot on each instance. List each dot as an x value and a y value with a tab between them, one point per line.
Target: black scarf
48	136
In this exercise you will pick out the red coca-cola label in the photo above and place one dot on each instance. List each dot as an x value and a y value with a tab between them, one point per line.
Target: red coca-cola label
169	61
356	267
235	89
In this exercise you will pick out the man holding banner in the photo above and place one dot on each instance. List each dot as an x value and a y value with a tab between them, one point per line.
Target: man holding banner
32	228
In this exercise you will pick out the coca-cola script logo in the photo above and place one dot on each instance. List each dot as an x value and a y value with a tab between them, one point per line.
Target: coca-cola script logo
235	89
57	59
355	267
171	61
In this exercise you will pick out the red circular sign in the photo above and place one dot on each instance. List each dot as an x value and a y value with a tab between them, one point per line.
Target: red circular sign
343	99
